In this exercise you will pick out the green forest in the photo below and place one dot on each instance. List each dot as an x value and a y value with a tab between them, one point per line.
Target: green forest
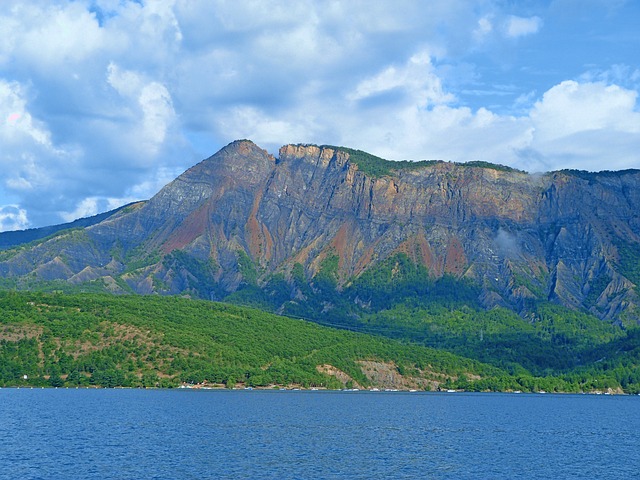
68	340
133	341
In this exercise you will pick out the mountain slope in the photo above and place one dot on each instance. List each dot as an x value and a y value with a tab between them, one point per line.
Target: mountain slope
149	341
308	225
108	340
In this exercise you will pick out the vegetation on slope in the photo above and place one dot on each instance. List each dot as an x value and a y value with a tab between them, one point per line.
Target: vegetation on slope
58	339
436	330
379	167
401	300
134	341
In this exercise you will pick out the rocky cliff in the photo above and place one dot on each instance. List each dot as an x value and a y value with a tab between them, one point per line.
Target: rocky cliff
242	217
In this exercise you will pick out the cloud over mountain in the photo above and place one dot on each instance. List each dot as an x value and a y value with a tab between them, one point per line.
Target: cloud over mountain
102	101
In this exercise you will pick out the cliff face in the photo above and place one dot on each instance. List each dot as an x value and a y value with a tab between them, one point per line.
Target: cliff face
241	216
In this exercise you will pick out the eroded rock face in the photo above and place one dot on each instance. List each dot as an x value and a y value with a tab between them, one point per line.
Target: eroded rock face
563	236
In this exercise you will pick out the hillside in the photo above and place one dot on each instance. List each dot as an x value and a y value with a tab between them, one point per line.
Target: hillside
103	340
58	339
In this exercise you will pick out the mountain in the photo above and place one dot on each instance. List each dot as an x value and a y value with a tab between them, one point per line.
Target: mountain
329	231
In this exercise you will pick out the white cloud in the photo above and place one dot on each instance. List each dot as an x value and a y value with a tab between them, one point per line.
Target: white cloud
619	74
28	152
591	126
12	217
146	35
444	132
159	17
90	206
127	83
45	36
16	123
72	128
572	107
152	111
416	78
99	97
515	27
158	113
568	127
147	186
263	128
425	123
87	208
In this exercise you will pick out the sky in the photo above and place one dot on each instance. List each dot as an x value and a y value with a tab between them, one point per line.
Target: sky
103	102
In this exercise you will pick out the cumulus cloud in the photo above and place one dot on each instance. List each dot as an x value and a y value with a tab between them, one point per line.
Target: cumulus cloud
573	125
90	206
13	217
27	148
55	35
582	124
86	208
416	78
571	107
154	111
263	128
18	125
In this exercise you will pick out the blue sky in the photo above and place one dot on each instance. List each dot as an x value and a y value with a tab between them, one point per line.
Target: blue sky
102	102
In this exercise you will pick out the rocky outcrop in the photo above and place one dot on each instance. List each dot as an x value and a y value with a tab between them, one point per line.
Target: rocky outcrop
242	215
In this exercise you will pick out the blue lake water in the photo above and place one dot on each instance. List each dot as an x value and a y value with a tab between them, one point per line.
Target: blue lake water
166	434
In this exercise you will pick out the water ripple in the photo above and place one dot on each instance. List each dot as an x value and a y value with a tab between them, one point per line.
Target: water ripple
132	434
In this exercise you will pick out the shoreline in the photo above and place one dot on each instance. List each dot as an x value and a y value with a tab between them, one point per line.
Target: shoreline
277	388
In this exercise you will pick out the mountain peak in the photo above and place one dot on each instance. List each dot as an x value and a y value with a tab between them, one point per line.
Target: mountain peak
240	162
245	147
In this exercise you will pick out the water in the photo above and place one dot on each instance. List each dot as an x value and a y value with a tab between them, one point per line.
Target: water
167	434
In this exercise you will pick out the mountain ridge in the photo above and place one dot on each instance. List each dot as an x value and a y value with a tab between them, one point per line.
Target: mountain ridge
242	217
14	238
